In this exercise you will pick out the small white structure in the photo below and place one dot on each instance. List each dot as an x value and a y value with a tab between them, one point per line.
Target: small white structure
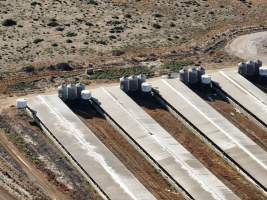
21	103
263	71
86	94
146	87
206	79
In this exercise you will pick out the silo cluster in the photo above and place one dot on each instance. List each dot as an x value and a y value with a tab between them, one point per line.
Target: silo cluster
71	92
132	83
250	68
192	76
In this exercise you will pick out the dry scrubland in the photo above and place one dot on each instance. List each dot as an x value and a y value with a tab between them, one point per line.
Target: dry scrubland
92	31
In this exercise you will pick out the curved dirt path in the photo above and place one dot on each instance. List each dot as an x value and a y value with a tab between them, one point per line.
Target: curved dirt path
34	174
4	195
250	46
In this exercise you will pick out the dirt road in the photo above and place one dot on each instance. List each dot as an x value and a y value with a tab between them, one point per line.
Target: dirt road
250	46
34	174
5	195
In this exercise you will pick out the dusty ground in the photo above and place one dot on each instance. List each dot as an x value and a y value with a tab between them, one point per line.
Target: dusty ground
31	167
88	31
227	174
251	46
130	157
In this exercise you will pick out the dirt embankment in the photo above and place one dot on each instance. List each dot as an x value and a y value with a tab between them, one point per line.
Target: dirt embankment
29	153
217	165
127	154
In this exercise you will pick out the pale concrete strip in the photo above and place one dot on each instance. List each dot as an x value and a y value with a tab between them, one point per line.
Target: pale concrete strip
220	131
101	165
244	92
199	182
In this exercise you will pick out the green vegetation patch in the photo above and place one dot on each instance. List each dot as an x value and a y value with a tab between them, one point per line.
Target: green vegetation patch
116	74
177	66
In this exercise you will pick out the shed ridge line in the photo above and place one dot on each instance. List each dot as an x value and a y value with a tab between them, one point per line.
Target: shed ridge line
218	127
188	168
100	159
242	88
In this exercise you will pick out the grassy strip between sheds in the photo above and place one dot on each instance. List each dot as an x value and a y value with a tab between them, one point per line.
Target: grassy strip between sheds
116	74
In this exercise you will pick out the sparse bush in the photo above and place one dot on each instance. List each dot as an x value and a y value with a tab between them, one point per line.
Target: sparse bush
9	22
157	26
112	37
103	42
93	2
64	67
117	29
28	69
71	34
157	15
34	3
37	40
128	16
89	24
60	28
117	52
69	41
172	24
52	23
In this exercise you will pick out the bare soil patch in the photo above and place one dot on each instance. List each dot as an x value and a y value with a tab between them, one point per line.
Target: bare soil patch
39	160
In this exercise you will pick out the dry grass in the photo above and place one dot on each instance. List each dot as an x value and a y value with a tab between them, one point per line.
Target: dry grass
84	31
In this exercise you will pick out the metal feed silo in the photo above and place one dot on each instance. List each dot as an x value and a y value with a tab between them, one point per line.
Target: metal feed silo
242	68
141	79
181	75
133	82
72	91
250	68
193	76
258	64
201	71
63	92
80	87
124	84
184	76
